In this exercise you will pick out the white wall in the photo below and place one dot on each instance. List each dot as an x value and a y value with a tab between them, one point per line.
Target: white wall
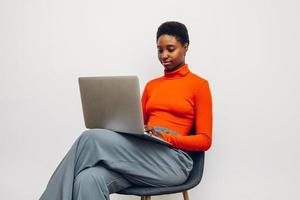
247	49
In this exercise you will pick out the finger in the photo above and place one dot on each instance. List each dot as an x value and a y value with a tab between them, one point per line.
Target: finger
155	133
146	128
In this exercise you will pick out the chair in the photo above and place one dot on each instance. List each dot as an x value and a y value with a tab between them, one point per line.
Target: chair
193	180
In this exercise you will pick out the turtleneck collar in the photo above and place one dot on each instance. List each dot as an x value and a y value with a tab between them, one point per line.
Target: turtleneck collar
182	71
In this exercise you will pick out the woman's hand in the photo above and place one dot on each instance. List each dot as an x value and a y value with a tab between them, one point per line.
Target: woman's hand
151	130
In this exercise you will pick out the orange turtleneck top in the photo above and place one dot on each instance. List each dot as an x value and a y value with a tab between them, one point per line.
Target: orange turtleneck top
180	101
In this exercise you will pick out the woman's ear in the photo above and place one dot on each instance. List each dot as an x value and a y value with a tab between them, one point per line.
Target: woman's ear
186	47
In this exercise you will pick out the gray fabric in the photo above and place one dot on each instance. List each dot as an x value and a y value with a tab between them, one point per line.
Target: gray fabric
101	162
98	182
193	180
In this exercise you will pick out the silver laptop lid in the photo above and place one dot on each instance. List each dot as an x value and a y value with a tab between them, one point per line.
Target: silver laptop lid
112	102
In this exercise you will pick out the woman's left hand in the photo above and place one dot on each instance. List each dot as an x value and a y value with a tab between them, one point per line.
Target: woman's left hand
152	131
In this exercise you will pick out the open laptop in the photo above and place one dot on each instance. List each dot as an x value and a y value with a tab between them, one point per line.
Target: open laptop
114	103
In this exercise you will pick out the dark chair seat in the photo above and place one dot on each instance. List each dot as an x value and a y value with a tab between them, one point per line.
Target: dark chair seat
193	180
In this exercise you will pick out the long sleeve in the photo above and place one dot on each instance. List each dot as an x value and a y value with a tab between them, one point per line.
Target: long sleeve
144	101
201	140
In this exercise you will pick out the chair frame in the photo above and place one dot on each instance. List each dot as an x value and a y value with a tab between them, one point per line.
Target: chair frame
184	193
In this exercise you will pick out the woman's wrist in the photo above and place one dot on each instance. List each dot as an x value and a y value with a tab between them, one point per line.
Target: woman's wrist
165	136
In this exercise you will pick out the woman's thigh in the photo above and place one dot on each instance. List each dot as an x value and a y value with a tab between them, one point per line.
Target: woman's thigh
140	161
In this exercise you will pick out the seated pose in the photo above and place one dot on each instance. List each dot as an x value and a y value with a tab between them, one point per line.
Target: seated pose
177	107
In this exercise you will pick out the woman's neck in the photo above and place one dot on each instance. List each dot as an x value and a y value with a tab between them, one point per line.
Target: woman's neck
175	68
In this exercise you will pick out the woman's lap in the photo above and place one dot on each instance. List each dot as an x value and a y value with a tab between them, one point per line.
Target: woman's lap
102	161
140	161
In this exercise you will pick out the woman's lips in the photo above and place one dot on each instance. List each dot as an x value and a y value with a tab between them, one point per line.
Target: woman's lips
166	63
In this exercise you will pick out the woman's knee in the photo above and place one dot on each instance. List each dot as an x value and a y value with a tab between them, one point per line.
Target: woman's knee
97	135
98	140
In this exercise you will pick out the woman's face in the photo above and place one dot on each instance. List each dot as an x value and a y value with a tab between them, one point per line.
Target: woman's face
171	53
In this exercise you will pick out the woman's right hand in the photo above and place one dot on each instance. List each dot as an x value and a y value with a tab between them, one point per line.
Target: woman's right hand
152	131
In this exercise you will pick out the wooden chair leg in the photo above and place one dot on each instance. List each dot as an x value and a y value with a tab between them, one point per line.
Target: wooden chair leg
145	197
185	195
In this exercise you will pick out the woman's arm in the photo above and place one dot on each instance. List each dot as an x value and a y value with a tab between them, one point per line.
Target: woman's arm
144	101
202	138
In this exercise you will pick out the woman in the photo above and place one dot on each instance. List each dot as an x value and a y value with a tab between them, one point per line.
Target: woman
102	162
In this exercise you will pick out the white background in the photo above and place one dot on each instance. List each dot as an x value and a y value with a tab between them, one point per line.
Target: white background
247	49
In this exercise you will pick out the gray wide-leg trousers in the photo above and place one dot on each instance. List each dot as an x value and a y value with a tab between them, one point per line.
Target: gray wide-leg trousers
101	162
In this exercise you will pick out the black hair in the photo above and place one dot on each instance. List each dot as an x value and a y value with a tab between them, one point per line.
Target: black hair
175	29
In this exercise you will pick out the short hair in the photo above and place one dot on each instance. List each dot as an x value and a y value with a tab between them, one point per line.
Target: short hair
175	29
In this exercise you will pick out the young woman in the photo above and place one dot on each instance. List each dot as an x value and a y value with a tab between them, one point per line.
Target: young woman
102	162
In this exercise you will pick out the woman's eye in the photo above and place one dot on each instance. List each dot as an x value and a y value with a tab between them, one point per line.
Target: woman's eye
171	49
159	50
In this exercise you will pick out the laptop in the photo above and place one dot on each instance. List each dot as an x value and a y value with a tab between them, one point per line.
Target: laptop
114	103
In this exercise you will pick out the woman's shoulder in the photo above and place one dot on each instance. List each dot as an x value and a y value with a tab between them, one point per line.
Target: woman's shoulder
197	80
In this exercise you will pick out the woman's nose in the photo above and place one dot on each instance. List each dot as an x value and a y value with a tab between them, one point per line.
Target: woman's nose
165	55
